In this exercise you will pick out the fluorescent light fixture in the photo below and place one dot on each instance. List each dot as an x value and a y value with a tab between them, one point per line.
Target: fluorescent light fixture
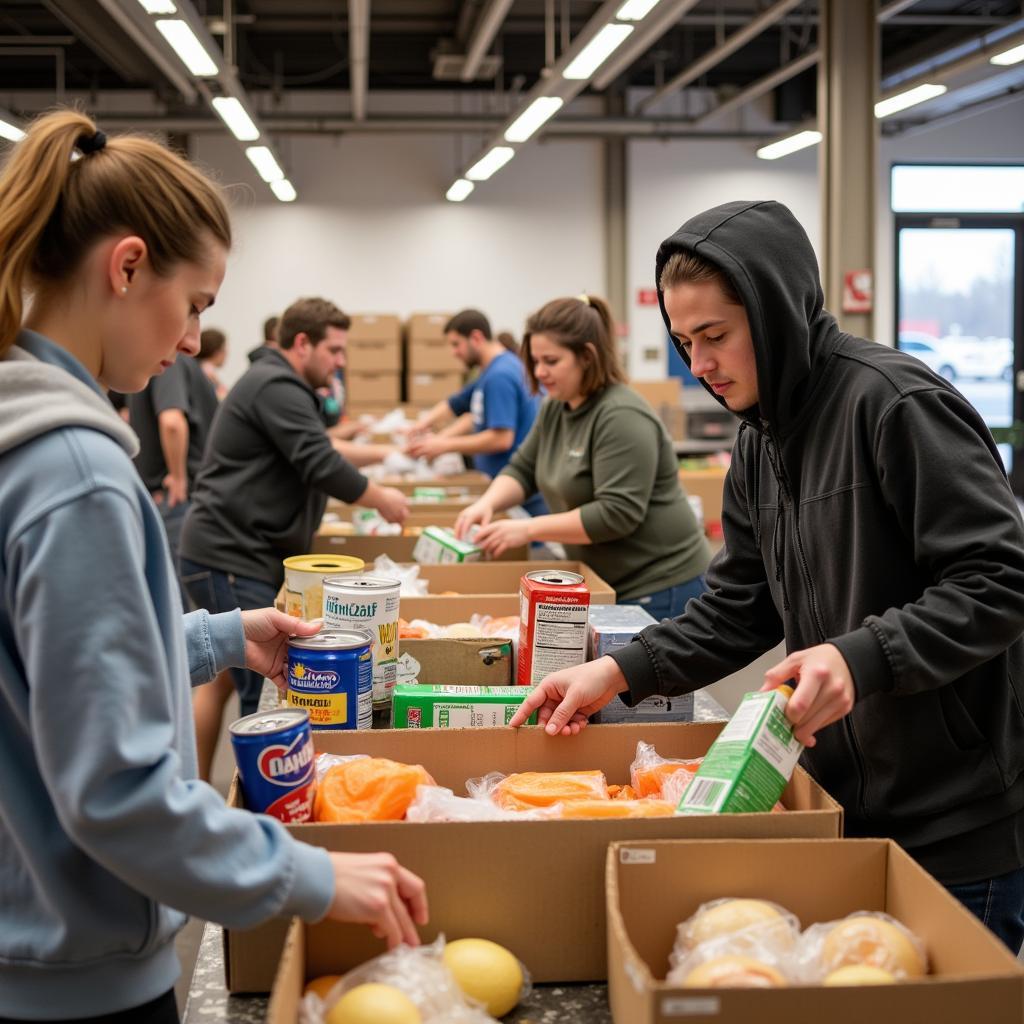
284	190
493	161
10	131
790	144
159	6
596	52
1008	57
459	190
532	118
263	160
185	44
634	10
235	116
910	98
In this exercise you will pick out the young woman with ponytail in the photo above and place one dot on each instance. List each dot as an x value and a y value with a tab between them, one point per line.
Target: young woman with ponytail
604	464
110	249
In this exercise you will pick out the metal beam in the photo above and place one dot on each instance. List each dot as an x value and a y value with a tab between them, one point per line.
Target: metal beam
891	9
487	27
359	55
719	53
762	86
642	40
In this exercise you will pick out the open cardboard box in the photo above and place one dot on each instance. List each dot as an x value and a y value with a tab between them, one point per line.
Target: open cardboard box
652	887
536	887
472	481
398	549
709	486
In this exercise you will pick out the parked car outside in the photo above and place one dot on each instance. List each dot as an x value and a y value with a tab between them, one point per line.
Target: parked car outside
961	355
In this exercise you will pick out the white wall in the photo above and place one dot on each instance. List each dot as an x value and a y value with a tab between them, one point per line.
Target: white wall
371	230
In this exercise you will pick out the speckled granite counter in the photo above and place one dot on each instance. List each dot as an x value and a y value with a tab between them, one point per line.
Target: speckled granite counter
548	1004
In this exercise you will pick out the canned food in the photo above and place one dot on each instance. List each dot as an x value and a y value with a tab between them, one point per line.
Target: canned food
370	603
330	674
553	610
304	581
274	753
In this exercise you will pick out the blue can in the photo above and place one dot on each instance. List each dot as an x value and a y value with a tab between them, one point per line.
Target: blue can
330	675
274	753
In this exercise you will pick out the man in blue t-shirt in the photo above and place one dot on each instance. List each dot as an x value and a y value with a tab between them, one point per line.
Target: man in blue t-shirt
493	413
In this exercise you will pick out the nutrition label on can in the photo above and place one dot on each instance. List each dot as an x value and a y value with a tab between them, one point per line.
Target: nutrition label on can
559	638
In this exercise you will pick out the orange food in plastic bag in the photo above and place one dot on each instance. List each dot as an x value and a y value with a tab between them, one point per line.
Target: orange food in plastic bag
542	789
649	779
626	792
368	789
617	809
407	632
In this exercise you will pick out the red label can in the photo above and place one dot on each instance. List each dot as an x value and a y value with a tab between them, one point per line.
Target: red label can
553	610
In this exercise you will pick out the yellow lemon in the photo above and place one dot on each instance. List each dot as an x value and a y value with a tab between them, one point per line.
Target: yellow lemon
734	972
374	1004
487	972
322	985
859	974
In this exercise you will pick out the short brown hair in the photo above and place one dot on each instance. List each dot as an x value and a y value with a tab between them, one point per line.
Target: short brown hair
311	317
685	268
467	321
585	326
270	328
211	341
53	208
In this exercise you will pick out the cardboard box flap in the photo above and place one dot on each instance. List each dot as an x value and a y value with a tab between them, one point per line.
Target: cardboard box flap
291	977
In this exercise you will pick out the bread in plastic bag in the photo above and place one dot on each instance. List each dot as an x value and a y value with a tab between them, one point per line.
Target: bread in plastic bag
865	937
525	790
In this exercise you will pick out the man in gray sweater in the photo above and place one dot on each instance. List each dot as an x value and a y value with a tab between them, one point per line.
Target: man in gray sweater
268	470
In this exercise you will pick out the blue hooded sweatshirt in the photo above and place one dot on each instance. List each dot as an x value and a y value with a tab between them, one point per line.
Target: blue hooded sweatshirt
103	825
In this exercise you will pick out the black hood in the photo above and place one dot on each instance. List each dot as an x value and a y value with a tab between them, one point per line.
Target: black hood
763	250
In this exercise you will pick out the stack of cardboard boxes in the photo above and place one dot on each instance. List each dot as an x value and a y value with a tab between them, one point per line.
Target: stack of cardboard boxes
373	374
432	372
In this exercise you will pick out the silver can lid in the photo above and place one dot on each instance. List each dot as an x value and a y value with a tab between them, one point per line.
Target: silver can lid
350	583
269	721
555	577
333	640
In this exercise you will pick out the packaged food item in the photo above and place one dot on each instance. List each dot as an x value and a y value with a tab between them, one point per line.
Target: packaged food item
439	546
649	771
415	706
304	581
524	790
369	789
751	761
553	608
863	939
616	809
274	754
858	974
734	972
330	674
613	626
370	603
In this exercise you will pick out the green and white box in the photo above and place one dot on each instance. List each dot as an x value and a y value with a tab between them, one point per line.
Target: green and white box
426	495
750	763
455	707
438	546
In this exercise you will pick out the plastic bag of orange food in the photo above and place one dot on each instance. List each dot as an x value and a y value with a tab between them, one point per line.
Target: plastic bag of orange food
649	772
521	791
616	809
368	789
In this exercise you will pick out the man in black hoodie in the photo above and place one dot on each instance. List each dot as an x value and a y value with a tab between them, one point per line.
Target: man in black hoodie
869	523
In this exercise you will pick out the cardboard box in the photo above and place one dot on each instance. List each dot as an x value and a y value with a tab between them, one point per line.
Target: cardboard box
444	661
556	923
372	354
421	327
472	482
375	327
377	387
455	707
398	549
652	887
666	398
432	356
708	485
431	387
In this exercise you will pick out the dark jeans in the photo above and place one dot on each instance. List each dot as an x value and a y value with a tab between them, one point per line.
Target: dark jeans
218	591
174	520
162	1010
670	602
999	904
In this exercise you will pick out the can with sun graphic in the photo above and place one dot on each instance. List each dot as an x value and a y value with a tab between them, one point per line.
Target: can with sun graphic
330	674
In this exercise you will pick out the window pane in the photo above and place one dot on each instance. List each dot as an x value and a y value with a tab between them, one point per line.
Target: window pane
957	189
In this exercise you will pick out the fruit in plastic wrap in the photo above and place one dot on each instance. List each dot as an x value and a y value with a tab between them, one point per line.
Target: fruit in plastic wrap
368	789
734	972
873	940
617	809
728	916
373	1003
859	974
486	972
322	985
524	790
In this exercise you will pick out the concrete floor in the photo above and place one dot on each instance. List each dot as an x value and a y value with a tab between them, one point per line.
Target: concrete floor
189	937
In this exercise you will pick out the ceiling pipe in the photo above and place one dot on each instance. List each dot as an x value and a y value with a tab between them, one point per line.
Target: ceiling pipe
359	55
488	24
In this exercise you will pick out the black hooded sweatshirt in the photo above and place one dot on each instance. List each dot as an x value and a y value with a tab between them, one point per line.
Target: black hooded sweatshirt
866	506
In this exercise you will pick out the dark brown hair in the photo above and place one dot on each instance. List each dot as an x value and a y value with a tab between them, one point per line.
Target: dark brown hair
508	339
467	321
685	268
53	208
311	317
211	341
270	328
585	326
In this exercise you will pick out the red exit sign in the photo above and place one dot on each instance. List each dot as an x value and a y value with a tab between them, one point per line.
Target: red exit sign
646	297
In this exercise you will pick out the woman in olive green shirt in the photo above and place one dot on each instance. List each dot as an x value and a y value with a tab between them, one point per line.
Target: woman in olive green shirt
604	464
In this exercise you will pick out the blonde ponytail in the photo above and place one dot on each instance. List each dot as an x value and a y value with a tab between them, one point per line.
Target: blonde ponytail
54	208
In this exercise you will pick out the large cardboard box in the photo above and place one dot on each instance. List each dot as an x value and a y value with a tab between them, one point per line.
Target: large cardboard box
708	485
454	662
428	387
666	398
421	327
536	887
652	887
398	549
372	354
375	327
375	387
471	482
